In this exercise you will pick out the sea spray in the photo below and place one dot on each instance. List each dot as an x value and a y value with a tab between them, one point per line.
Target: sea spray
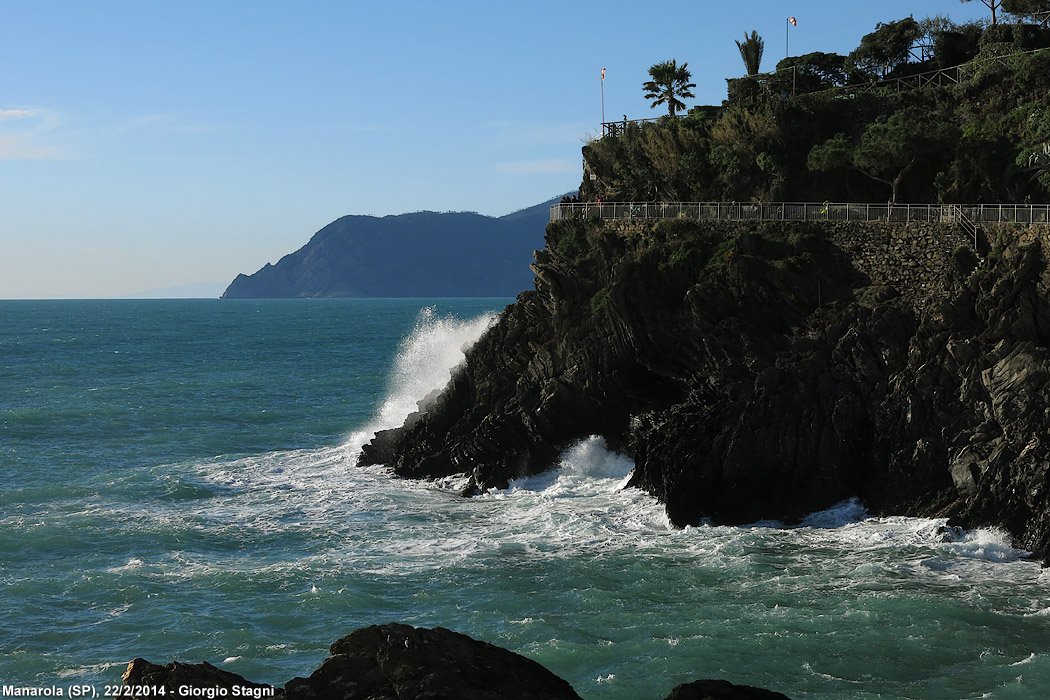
423	366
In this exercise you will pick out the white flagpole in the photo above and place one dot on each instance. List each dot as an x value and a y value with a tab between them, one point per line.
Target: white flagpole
603	101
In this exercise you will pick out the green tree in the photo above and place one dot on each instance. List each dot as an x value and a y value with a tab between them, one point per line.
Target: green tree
884	49
1036	10
888	149
992	5
751	50
814	71
669	82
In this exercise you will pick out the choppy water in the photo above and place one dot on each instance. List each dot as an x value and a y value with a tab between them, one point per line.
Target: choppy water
178	480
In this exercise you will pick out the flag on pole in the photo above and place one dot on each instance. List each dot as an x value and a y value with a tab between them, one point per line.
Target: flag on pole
793	22
603	74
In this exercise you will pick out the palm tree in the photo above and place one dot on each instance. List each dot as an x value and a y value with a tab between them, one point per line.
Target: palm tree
751	51
669	82
1039	162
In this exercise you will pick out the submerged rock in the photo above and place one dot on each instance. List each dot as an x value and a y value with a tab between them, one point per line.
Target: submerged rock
399	662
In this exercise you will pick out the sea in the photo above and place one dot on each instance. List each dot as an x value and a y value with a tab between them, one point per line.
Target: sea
179	480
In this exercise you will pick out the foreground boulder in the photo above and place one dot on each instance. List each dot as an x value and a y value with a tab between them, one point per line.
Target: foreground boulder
398	662
721	690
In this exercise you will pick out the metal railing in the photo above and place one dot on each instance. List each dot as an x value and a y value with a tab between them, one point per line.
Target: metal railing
619	127
973	214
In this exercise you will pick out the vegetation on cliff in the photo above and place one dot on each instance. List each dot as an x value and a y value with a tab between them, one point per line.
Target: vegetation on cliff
823	128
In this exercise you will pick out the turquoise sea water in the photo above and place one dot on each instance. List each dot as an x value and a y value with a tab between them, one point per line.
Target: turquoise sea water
178	480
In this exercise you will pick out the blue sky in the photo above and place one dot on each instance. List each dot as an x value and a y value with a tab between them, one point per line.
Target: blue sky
150	143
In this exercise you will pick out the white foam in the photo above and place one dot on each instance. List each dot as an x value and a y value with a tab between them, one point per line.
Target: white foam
131	565
587	466
89	670
988	544
1022	662
425	362
844	513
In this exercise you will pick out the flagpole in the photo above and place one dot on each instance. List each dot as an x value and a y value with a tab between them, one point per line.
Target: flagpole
603	101
788	24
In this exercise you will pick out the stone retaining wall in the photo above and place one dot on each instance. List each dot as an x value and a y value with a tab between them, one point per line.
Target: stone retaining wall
911	257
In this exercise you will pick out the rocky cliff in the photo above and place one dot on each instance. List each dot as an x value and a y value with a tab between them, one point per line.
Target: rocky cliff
425	254
767	371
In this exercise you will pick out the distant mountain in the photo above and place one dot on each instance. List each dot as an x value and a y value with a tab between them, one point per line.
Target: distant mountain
424	254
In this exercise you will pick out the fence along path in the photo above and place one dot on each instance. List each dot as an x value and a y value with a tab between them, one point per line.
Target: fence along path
969	215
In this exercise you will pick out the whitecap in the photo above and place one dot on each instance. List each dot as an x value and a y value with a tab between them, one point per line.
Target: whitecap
988	544
1022	662
132	564
840	514
91	670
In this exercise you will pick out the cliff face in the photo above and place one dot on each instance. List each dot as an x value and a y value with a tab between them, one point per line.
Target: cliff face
425	254
767	372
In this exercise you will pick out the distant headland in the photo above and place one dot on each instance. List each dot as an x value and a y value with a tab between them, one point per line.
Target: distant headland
424	254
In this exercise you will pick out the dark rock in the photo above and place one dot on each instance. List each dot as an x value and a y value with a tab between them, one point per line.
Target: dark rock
142	675
398	662
721	690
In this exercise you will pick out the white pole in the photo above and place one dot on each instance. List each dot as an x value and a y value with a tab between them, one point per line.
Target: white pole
603	101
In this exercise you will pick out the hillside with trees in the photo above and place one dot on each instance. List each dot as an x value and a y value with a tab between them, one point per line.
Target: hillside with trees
921	111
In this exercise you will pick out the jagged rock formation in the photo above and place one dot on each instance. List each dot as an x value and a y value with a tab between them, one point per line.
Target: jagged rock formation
762	375
425	254
398	662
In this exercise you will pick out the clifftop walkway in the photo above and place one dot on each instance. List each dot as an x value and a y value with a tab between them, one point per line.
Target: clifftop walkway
969	215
